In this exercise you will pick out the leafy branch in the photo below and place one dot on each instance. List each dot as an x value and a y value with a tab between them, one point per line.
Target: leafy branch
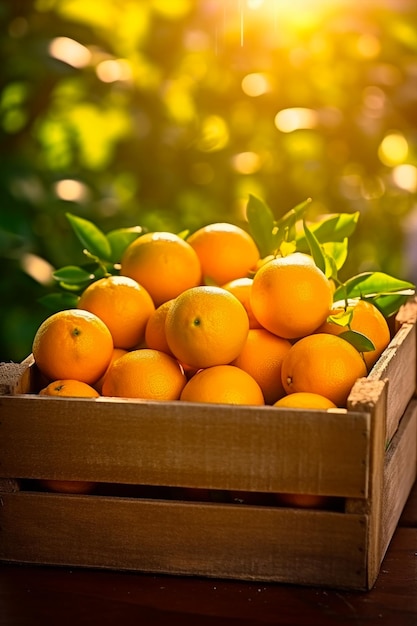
103	253
327	242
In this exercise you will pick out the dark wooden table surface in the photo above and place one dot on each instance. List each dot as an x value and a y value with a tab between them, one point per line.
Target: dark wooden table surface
31	595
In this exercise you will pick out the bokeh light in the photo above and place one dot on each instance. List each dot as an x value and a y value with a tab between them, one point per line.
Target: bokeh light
295	118
69	51
393	149
167	114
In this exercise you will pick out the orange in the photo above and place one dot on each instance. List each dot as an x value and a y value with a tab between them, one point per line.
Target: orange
303	500
69	388
262	357
366	319
241	288
291	296
73	344
155	336
223	384
324	364
163	263
225	251
206	326
68	486
305	400
122	304
147	374
117	352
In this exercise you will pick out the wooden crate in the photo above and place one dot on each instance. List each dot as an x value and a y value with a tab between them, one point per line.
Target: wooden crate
155	463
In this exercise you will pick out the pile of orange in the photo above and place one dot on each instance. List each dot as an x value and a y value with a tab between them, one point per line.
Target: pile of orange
205	319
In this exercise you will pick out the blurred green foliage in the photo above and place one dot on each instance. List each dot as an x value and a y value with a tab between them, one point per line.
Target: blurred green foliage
168	113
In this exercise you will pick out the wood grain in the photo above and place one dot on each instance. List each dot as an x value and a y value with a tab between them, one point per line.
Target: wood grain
228	541
336	453
399	473
371	395
397	364
67	596
180	444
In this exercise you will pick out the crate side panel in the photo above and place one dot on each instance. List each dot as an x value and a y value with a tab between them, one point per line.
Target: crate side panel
16	377
242	542
371	396
407	313
180	444
398	365
399	473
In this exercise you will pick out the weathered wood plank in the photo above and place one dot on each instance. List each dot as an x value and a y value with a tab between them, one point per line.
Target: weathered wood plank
398	365
265	449
399	473
371	396
228	541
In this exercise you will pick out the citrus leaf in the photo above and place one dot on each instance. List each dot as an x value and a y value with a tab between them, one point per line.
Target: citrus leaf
336	250
120	238
72	275
287	247
74	287
296	212
315	249
261	225
358	340
331	267
371	284
341	318
59	301
90	236
286	224
390	304
183	234
333	228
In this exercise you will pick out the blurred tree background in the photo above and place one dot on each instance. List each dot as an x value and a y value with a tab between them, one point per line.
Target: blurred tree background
168	113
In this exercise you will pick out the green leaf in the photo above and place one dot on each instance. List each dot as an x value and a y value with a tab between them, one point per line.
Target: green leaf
371	284
390	304
358	340
59	301
120	238
315	249
334	228
342	318
90	236
286	225
296	212
331	267
73	287
287	247
261	225
72	275
336	250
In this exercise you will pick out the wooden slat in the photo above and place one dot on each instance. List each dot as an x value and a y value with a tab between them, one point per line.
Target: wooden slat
371	396
397	364
9	485
16	377
399	473
180	444
407	314
228	541
63	596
